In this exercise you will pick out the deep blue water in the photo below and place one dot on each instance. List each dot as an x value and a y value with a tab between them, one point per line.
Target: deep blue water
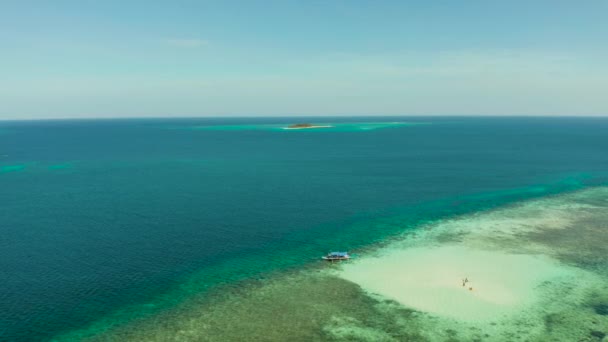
99	215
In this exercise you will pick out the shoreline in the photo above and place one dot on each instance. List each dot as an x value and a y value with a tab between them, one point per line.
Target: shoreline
520	274
430	279
309	127
259	297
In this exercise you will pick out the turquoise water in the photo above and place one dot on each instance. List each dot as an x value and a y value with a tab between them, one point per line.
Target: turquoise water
324	126
108	221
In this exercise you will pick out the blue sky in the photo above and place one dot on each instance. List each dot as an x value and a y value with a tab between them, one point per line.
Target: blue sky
275	58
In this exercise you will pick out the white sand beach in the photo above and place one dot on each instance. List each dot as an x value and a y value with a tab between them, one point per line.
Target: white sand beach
511	257
431	280
530	280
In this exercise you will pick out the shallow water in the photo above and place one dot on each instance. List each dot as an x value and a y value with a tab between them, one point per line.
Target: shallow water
111	224
562	303
323	126
551	294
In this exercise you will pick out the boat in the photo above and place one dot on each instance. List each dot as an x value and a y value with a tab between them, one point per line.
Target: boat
332	256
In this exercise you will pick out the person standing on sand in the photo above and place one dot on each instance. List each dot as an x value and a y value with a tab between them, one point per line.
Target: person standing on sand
465	281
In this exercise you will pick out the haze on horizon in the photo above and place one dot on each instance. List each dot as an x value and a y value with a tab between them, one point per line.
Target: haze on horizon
81	59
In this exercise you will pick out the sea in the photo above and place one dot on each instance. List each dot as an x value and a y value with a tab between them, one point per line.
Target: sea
104	223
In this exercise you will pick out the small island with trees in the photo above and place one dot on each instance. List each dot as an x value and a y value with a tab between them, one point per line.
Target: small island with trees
305	126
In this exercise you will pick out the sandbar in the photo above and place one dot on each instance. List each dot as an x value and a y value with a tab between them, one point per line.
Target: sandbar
431	280
309	127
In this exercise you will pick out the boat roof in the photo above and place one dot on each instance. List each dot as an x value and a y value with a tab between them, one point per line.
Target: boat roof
338	254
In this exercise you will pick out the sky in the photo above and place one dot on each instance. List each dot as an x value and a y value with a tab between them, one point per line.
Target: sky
82	59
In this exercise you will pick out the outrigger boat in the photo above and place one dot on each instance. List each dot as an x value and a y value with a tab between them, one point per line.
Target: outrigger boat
333	256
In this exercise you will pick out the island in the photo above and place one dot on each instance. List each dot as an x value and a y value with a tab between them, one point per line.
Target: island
305	126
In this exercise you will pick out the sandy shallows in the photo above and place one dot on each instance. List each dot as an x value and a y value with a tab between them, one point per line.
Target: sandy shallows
431	280
537	270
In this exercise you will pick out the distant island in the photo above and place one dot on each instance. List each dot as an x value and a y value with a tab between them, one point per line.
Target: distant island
305	126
